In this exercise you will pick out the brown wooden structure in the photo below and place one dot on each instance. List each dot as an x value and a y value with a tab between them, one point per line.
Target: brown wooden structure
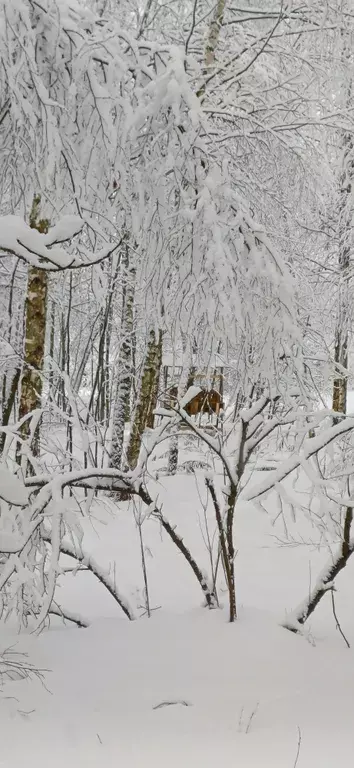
210	398
206	401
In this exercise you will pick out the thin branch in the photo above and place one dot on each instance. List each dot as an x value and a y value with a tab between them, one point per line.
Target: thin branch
57	610
299	740
67	548
178	541
338	626
222	538
194	19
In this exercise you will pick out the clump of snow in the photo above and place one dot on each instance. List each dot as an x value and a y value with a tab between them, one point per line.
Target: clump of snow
12	488
191	393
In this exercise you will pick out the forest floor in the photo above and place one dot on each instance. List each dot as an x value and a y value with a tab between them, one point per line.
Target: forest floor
186	688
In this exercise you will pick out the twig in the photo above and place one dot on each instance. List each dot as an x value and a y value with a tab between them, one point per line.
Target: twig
14	666
299	740
194	14
57	610
67	548
222	538
252	715
139	522
171	703
338	626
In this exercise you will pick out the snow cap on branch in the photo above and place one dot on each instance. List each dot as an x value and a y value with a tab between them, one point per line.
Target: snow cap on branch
17	238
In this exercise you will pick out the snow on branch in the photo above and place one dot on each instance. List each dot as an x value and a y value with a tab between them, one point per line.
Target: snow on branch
12	489
65	615
108	479
311	447
35	248
32	517
84	558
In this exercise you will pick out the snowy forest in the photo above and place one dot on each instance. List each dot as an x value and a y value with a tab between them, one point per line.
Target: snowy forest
176	383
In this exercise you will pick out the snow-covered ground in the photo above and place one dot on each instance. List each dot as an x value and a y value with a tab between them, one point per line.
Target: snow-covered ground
186	688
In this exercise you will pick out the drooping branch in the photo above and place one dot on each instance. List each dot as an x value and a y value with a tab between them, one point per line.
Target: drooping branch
326	580
222	538
41	249
115	480
200	576
91	478
311	447
57	610
67	548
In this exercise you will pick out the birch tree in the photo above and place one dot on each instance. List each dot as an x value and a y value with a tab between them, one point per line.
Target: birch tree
124	376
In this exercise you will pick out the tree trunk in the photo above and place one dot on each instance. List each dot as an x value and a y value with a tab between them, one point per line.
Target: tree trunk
173	455
212	42
214	33
124	366
231	503
150	420
184	384
35	333
51	350
144	412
